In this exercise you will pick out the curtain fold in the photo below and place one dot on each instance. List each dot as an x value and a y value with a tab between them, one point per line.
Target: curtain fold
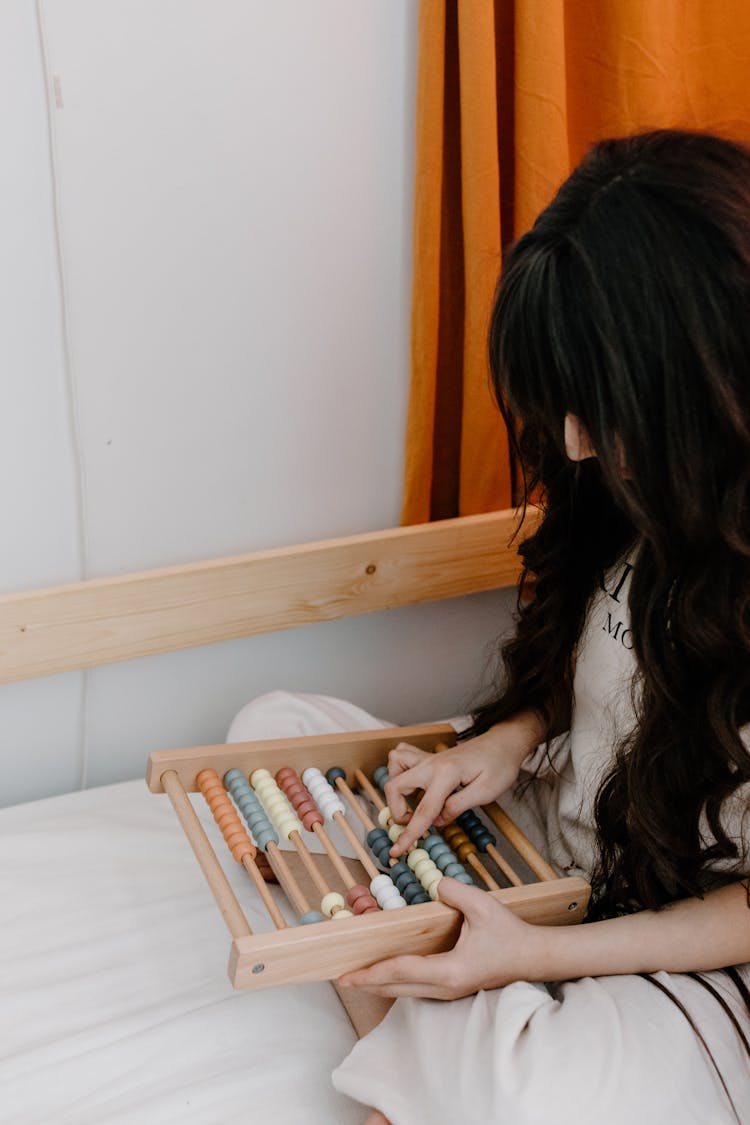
510	94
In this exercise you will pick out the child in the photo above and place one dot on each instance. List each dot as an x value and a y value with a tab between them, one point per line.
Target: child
620	342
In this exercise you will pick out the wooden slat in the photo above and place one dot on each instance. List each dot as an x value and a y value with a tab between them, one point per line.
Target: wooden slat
59	629
308	953
370	747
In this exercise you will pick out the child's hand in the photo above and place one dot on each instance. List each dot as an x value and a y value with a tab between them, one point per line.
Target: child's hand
483	768
494	948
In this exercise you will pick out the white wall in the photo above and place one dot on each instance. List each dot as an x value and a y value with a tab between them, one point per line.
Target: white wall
214	359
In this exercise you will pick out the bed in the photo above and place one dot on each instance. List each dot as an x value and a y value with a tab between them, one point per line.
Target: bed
116	1006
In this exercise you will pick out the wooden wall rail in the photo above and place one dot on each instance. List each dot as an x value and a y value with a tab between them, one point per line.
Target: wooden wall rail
62	628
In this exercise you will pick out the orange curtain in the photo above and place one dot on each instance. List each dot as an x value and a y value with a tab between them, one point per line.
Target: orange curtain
510	94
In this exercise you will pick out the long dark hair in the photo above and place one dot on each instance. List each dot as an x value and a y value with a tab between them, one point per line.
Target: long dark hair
628	305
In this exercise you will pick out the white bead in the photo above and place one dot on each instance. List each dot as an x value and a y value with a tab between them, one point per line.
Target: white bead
342	914
433	890
258	775
378	883
384	817
394	904
395	831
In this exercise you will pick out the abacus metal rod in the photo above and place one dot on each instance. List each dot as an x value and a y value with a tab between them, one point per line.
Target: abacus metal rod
226	900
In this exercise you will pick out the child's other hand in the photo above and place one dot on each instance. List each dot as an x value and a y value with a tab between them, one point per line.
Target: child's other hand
494	948
473	773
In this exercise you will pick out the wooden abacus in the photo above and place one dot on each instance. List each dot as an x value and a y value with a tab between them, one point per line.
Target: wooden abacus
365	930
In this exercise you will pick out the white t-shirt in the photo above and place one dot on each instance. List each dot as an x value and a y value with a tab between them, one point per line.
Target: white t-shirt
603	713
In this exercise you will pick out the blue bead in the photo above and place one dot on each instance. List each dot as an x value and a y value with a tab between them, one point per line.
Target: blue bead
310	917
445	860
421	897
432	841
464	877
380	776
453	869
440	849
412	892
400	868
334	774
377	836
483	840
405	880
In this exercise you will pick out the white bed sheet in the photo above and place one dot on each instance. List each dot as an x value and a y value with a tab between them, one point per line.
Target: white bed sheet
115	1005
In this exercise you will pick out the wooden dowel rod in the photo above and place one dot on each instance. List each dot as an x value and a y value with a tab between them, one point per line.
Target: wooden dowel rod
262	887
482	872
362	853
523	845
291	887
364	783
342	870
354	805
504	866
309	862
226	900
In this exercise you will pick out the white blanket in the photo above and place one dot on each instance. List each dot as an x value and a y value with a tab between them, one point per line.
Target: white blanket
114	1000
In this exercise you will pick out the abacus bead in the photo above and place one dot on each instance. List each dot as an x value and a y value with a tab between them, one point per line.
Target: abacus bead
341	914
233	775
356	892
432	841
421	868
380	776
404	881
443	852
284	773
454	869
433	891
263	839
334	774
310	917
393	904
287	826
412	893
379	883
376	836
464	850
464	877
431	876
384	816
330	901
414	857
395	831
483	840
400	868
420	896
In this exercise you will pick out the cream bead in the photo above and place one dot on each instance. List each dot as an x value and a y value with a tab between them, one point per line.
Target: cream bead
330	901
384	817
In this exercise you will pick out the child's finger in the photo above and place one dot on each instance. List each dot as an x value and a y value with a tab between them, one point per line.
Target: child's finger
423	816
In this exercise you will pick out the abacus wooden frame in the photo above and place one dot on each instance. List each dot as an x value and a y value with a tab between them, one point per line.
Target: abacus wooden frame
327	949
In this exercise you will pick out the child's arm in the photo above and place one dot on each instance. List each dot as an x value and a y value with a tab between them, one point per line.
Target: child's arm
495	947
688	936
